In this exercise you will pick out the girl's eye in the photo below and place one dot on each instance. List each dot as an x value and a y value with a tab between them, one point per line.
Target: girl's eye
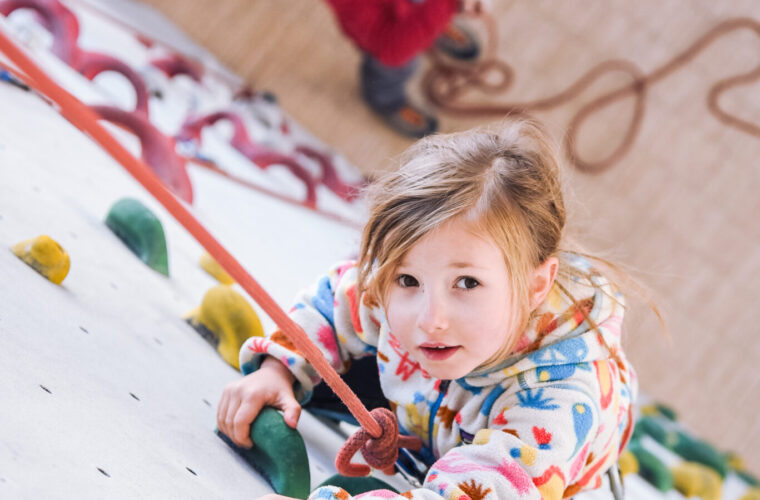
406	281
467	283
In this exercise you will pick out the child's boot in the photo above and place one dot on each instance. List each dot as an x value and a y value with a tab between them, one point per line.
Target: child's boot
458	42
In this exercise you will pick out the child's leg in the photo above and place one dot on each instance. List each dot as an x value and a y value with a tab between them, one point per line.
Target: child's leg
384	89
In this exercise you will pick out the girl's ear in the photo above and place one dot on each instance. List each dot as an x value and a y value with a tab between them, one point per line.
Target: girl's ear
541	281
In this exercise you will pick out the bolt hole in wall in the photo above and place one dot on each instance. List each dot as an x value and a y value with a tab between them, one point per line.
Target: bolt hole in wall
191	471
45	389
134	396
84	330
104	472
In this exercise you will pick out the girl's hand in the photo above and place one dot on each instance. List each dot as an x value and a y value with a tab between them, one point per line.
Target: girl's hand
242	400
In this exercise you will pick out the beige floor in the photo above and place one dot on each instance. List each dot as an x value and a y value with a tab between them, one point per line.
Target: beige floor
681	208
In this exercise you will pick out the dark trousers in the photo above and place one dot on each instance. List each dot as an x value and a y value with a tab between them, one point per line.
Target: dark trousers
382	86
363	378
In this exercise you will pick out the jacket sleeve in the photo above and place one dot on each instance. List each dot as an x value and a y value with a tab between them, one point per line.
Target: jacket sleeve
536	443
333	317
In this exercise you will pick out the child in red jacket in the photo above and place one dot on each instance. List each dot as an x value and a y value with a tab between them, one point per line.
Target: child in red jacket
391	35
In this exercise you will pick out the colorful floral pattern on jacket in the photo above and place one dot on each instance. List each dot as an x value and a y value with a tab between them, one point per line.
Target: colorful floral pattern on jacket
544	424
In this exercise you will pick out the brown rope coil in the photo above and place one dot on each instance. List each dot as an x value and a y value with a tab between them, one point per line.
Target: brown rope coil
380	453
445	83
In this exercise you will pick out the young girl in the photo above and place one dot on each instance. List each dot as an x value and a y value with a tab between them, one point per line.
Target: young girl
497	349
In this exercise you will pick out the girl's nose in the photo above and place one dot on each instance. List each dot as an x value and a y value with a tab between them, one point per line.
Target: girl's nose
432	317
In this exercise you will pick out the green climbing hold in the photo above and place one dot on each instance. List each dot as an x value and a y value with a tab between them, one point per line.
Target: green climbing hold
702	452
141	231
278	454
651	468
654	428
357	485
737	466
666	411
668	434
747	477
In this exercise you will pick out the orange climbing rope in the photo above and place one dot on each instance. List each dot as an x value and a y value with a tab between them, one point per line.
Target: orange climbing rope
378	432
445	83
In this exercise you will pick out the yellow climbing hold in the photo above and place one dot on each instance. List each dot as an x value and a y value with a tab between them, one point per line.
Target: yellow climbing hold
628	463
46	256
214	269
735	461
649	410
225	319
752	494
693	479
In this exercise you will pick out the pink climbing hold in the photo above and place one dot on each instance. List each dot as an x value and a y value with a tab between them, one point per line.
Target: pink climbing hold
157	149
91	64
262	156
57	19
330	177
63	25
175	64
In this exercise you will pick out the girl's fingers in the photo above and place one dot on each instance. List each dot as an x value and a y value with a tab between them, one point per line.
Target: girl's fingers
241	428
291	410
221	412
229	415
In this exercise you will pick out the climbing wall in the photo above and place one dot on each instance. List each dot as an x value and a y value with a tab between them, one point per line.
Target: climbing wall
107	391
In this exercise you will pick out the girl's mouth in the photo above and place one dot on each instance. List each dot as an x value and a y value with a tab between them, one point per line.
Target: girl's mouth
438	353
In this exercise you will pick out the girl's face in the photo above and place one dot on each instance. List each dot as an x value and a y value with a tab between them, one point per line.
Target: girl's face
450	302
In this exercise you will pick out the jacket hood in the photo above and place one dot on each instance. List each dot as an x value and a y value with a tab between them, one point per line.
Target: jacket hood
559	336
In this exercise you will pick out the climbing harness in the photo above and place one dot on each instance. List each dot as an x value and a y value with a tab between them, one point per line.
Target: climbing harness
445	84
616	484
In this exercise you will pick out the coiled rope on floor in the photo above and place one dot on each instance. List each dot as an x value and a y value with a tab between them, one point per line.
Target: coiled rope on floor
378	438
445	83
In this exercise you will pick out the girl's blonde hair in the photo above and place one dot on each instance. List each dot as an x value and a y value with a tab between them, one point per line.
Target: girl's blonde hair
506	182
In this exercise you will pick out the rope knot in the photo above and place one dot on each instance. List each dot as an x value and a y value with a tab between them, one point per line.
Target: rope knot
381	452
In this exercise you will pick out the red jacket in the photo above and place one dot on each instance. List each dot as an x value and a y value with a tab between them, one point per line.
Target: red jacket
393	31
